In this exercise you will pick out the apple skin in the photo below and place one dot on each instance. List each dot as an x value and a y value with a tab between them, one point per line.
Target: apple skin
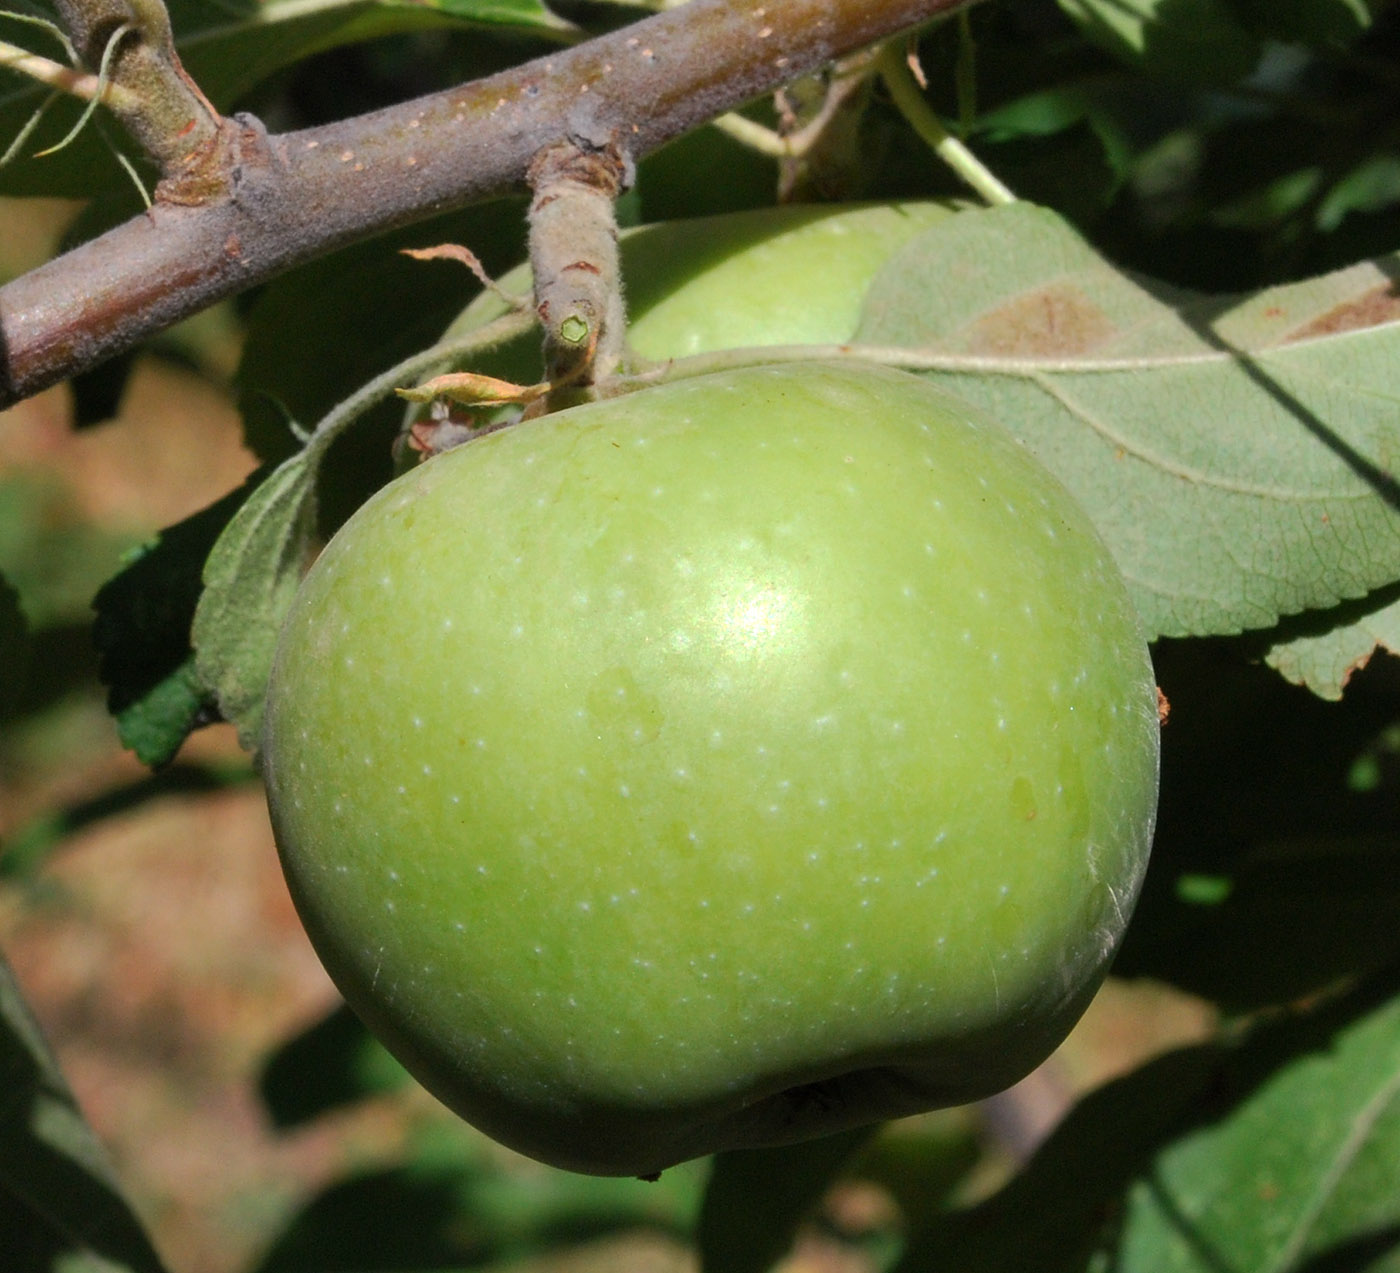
733	762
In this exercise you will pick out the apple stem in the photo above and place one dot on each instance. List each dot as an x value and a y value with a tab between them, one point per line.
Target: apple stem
574	259
899	79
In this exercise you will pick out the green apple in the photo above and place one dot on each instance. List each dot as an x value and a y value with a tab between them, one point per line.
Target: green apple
794	275
739	760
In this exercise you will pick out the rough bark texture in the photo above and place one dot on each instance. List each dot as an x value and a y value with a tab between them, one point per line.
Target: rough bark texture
293	196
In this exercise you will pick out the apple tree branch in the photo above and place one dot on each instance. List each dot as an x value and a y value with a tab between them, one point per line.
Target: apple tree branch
257	204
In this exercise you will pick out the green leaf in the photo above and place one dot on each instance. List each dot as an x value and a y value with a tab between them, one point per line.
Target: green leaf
16	648
1236	454
52	556
228	48
249	581
1198	41
1304	1167
1056	1212
155	725
82	169
142	634
1326	654
1253	1157
454	1204
1316	22
756	1198
60	1205
333	1063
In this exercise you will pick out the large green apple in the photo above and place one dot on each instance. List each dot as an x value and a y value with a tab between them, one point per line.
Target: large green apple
725	764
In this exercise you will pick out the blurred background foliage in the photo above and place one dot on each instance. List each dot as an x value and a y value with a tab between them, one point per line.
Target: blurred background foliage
1222	145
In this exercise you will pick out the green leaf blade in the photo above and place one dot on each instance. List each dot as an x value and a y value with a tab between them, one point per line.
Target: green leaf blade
249	581
142	635
229	52
1302	1167
1235	455
60	1205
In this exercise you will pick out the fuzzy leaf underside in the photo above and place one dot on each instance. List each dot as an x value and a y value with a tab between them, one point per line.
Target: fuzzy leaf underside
1236	454
1326	660
249	582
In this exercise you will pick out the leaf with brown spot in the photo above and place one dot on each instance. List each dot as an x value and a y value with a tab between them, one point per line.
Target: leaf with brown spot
1380	305
1238	454
1055	320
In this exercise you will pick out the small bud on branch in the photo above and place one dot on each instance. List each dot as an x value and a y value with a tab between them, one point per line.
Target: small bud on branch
574	259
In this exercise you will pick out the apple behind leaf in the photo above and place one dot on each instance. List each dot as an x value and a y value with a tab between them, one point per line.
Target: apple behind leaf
791	275
729	763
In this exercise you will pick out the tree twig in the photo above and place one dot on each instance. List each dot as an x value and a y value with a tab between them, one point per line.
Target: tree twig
156	101
294	196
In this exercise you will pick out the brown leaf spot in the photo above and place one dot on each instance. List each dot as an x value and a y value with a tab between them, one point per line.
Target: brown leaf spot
1056	320
1380	305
